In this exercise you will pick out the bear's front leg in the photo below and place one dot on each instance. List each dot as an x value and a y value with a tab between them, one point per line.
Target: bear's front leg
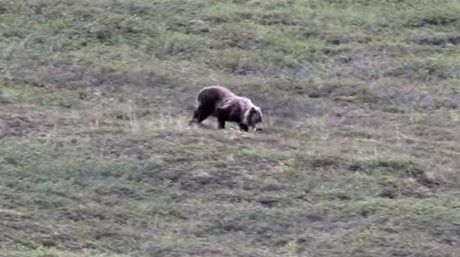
243	127
221	122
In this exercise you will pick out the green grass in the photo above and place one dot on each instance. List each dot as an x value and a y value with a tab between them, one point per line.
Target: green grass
358	155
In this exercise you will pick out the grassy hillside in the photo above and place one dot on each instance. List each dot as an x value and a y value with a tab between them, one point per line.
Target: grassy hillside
359	155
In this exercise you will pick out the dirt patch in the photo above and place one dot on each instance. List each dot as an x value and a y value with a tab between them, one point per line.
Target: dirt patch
411	174
439	40
269	228
422	71
20	125
152	248
43	72
366	65
242	40
16	228
339	38
283	19
197	181
427	179
434	19
286	109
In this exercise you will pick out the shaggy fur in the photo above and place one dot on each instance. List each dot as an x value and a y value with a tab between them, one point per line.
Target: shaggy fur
220	102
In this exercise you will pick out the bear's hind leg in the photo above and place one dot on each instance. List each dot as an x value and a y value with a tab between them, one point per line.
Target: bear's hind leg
202	113
222	117
194	117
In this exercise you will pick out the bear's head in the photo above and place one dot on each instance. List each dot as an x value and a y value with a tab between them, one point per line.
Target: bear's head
252	117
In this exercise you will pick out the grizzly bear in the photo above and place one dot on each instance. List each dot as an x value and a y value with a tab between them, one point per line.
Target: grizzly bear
220	102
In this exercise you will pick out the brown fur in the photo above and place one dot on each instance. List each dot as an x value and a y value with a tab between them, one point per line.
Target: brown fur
220	102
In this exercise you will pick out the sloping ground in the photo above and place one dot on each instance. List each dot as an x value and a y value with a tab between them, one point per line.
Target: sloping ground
358	156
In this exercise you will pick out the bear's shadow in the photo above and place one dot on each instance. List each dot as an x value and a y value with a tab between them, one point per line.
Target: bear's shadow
212	126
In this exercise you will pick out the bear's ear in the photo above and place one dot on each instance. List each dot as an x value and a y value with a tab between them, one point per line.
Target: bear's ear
255	109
